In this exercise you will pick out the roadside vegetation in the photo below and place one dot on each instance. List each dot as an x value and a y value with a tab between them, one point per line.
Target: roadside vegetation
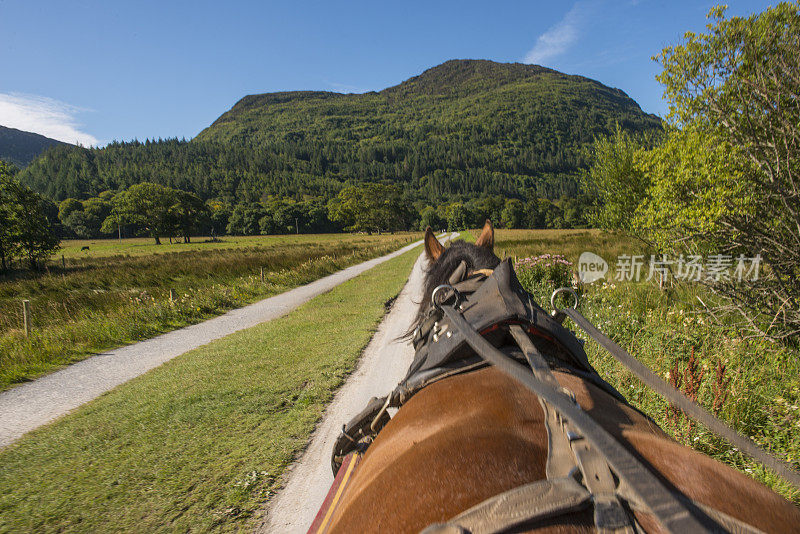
724	179
750	382
199	443
100	301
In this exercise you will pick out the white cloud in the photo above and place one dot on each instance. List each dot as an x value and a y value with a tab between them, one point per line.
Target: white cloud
556	40
45	116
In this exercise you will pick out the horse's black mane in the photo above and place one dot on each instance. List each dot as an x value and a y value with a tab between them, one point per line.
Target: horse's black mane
439	273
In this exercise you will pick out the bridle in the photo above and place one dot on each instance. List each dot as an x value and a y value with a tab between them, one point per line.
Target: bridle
468	326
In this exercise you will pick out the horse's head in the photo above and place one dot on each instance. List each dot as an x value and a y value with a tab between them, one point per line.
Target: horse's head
443	261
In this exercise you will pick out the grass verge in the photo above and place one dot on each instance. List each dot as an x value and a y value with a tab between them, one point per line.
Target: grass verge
199	443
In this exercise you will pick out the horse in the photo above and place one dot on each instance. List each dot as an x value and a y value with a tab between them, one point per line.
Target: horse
465	438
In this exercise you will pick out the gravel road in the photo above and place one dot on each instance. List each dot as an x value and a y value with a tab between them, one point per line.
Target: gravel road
28	406
383	364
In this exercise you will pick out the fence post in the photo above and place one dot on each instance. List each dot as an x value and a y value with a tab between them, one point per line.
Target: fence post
26	316
171	296
262	274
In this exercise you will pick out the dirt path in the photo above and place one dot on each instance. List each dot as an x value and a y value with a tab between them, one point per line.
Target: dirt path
31	405
383	364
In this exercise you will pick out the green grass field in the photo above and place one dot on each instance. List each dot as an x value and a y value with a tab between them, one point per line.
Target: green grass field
137	246
759	391
119	293
199	443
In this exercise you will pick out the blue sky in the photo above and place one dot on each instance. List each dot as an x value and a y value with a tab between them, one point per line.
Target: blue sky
95	71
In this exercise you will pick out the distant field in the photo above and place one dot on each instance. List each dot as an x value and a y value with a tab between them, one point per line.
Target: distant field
760	385
136	246
119	292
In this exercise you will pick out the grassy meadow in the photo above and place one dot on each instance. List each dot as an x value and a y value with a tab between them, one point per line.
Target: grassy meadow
199	443
118	292
753	384
73	249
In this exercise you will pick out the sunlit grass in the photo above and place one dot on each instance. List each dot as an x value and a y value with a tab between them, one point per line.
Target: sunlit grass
200	443
107	301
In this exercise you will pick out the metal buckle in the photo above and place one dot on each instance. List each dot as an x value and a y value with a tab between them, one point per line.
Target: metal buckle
438	305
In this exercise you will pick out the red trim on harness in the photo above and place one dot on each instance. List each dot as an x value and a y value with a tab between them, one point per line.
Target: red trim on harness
531	330
323	518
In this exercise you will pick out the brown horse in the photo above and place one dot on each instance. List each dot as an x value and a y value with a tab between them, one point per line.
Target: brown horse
466	438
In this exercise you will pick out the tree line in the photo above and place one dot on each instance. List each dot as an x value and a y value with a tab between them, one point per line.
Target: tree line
163	212
33	226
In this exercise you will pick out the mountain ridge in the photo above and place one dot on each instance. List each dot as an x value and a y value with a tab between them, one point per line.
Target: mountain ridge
20	147
458	130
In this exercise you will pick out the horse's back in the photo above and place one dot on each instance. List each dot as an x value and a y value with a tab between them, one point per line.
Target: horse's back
469	437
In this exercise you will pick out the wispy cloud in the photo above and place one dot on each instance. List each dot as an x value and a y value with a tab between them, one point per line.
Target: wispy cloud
558	38
45	116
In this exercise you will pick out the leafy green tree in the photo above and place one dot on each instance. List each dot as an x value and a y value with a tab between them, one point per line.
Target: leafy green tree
219	214
728	177
430	217
148	206
370	208
8	214
25	229
82	224
245	219
457	216
188	213
615	179
67	206
513	214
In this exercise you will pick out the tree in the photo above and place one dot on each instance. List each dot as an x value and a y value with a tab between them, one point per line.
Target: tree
616	181
188	213
147	205
67	206
25	230
245	219
219	213
513	214
457	216
371	208
728	178
8	196
81	223
430	217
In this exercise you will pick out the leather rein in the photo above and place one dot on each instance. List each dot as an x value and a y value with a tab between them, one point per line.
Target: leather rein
586	466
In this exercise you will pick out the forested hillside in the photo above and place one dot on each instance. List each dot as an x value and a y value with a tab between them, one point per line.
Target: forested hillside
458	131
20	147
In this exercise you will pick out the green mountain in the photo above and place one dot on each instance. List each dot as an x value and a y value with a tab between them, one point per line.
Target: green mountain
460	130
20	147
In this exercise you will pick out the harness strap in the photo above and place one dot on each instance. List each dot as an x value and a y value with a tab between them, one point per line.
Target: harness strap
667	510
609	514
525	504
684	403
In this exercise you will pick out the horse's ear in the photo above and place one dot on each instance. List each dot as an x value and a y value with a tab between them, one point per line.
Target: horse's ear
433	249
486	239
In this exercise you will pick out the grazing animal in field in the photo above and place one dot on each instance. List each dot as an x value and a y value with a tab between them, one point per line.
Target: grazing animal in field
84	248
466	432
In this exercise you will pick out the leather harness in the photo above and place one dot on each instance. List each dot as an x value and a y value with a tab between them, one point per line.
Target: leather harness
487	318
